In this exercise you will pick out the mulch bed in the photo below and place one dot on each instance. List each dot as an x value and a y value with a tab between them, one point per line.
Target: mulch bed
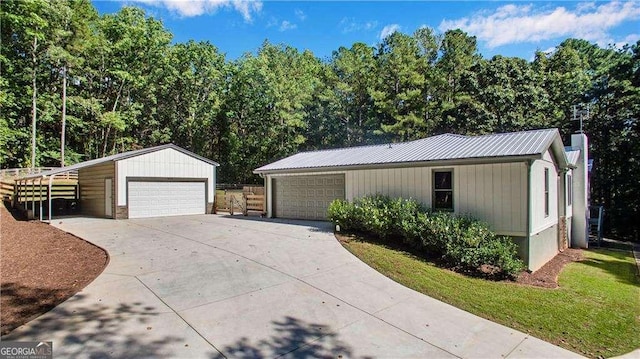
41	266
545	277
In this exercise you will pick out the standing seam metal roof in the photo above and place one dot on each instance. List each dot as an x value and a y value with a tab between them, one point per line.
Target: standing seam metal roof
117	157
436	148
572	155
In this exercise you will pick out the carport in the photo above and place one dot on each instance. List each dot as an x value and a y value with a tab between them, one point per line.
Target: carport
165	180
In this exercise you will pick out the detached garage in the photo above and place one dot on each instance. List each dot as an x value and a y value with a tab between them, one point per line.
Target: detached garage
159	181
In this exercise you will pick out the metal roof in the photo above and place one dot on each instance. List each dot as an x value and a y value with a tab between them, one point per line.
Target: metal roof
443	147
572	156
116	157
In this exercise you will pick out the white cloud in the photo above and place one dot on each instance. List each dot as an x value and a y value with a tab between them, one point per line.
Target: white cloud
550	50
349	24
300	15
191	8
628	40
511	24
286	25
388	30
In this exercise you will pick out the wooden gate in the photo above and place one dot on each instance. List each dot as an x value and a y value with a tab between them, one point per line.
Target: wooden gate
250	198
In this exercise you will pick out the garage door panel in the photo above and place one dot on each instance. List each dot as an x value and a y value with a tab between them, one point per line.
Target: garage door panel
166	198
307	197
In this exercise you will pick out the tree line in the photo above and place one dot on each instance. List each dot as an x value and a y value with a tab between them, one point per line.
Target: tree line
103	84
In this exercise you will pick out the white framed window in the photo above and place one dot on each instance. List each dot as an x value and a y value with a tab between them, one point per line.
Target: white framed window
546	192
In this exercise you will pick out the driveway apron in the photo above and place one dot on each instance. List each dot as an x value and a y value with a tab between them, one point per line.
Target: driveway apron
213	286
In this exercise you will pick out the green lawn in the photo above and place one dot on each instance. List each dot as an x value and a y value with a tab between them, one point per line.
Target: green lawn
595	312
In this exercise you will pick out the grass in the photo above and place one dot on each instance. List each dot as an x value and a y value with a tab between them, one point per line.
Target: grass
595	312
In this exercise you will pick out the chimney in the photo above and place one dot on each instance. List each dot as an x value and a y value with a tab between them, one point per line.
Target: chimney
580	210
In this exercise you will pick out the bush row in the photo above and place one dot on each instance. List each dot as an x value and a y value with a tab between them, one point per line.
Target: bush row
462	241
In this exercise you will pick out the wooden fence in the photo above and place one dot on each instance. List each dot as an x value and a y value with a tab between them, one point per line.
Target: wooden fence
250	198
60	188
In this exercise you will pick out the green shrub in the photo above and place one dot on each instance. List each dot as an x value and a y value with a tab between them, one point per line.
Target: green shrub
462	241
341	213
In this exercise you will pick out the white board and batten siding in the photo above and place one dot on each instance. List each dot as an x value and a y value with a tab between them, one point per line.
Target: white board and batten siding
164	164
495	193
539	220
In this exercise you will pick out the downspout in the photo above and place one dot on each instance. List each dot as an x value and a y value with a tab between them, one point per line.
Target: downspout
529	211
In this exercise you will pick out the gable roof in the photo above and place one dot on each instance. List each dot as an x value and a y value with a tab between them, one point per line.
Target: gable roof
118	157
445	147
572	155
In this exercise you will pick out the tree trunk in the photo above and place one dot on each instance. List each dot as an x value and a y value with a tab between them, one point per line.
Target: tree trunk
64	114
33	102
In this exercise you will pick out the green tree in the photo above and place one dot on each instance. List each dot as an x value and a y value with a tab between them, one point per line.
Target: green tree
195	83
267	107
352	80
458	56
24	46
398	95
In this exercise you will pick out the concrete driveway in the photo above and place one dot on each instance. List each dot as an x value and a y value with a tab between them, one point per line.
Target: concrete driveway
214	286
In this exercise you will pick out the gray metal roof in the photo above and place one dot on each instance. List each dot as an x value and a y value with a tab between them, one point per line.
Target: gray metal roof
443	147
572	156
116	157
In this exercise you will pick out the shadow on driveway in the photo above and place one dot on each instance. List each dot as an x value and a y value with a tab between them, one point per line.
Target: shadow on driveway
93	329
313	226
294	337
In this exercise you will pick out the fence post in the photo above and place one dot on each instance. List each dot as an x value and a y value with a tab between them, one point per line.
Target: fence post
244	199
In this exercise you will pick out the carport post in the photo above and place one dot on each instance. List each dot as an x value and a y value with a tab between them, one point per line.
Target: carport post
33	198
49	195
40	189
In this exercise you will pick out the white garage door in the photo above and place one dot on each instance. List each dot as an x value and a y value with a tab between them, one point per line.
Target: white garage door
306	197
159	199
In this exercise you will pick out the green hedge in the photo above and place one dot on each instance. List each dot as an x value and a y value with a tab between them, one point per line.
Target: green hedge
462	241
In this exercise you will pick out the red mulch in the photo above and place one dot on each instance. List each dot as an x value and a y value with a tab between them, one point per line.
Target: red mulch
40	267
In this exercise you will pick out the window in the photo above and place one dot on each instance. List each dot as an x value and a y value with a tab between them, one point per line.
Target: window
443	190
546	192
569	190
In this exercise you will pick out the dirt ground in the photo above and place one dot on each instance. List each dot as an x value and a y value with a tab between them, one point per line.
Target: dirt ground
40	267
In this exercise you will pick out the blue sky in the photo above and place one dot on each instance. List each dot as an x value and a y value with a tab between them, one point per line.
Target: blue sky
510	28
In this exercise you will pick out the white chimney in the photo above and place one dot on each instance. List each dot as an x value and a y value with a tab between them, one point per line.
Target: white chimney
580	221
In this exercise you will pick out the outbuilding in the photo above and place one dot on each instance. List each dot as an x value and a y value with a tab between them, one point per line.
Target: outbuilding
165	180
526	185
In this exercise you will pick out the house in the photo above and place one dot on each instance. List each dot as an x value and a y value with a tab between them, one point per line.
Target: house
164	180
526	185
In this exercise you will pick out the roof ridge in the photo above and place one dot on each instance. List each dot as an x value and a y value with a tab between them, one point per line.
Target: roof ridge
516	132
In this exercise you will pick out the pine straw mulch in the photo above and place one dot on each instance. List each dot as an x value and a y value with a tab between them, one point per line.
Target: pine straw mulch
545	277
40	267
